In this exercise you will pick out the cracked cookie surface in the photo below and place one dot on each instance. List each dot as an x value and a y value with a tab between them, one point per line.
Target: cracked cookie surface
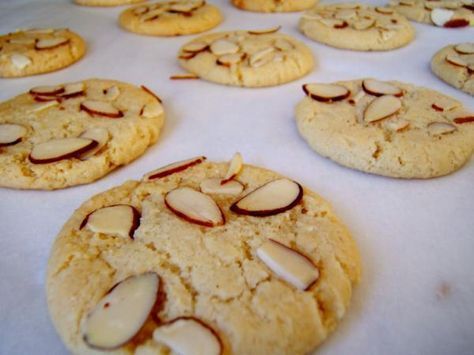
274	5
211	273
357	27
36	51
121	118
171	18
247	58
454	64
413	133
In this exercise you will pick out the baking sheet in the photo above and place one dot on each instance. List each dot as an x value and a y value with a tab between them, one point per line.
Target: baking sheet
416	237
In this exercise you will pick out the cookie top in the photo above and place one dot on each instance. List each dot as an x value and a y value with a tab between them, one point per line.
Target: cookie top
271	273
106	2
247	58
455	65
443	13
70	134
36	51
171	18
357	27
274	5
387	128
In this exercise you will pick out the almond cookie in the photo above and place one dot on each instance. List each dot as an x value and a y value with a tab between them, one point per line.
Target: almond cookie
387	128
202	258
36	51
247	58
71	134
274	5
442	13
106	2
357	27
171	18
455	65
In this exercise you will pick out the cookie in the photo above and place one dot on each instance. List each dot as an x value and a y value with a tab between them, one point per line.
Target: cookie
257	265
171	18
106	2
386	128
442	13
247	58
70	134
274	5
357	27
37	51
455	65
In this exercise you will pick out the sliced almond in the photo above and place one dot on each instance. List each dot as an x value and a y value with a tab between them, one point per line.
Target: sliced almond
11	134
184	7
112	93
223	46
334	23
140	10
261	57
187	336
265	31
121	220
49	43
230	59
357	97
41	98
283	45
407	2
235	167
464	119
35	31
382	107
187	76
289	264
122	312
384	10
345	14
380	88
441	16
73	90
59	149
173	168
456	60
363	24
20	61
464	48
440	128
274	197
444	104
397	125
152	14
44	105
47	90
326	92
152	93
98	134
214	186
195	47
194	207
100	108
152	110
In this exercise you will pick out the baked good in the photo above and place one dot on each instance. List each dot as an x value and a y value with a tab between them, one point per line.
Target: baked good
63	135
386	127
255	265
274	5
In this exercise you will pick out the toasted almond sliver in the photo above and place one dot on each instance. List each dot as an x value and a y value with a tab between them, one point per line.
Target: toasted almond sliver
214	186
20	61
187	76
44	105
50	43
112	93
397	125
235	166
152	110
22	41
379	88
382	107
58	149
223	46
464	48
439	128
326	92
261	57
195	47
363	24
11	133
283	44
98	134
265	31
117	220
230	59
101	108
456	60
173	168
384	10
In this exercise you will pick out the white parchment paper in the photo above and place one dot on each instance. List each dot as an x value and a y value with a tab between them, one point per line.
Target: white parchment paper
416	237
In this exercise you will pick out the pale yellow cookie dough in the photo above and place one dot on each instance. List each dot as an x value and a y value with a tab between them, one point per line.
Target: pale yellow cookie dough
211	273
461	12
274	5
247	58
456	67
356	26
46	118
430	135
37	51
107	2
171	18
